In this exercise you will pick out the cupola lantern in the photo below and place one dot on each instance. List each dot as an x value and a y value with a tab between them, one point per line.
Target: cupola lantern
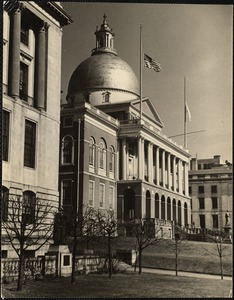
104	39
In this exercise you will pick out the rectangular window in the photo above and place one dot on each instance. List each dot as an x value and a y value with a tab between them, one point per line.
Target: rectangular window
29	144
201	203
202	221
29	207
215	221
214	189
201	189
66	260
102	195
91	193
23	84
66	192
5	134
214	202
24	34
111	198
5	202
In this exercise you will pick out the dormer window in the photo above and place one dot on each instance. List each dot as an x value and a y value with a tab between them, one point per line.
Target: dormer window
106	97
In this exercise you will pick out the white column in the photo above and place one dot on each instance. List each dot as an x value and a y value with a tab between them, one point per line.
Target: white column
157	165
182	213
169	170
139	158
117	163
186	166
180	176
150	162
124	165
163	168
143	158
165	208
174	173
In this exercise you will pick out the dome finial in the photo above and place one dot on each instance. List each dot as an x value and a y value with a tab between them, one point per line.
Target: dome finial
104	18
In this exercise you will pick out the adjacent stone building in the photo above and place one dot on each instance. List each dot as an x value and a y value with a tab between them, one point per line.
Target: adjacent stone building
111	158
210	188
32	35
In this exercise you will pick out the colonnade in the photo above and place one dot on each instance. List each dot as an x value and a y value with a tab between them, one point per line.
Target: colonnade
167	209
14	56
156	166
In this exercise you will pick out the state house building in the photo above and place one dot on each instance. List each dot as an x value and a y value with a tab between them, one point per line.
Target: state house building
32	35
111	158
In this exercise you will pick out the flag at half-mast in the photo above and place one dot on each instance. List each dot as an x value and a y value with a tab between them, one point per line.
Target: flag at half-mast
187	112
151	63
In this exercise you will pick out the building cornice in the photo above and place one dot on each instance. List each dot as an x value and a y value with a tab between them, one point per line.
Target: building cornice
50	7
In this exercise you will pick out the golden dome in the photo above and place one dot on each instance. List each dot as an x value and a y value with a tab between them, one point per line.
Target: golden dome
104	71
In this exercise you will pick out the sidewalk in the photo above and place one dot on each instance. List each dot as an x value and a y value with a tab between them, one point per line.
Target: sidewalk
181	273
188	274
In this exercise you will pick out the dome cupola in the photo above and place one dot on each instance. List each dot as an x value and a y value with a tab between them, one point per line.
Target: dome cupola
104	39
103	77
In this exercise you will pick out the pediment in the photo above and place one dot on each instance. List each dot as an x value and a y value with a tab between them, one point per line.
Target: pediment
148	111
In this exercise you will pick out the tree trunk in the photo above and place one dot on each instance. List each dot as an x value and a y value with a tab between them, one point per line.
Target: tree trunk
73	278
176	260
109	256
221	265
135	264
21	271
140	256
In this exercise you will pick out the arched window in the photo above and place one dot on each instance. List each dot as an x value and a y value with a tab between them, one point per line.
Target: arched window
156	205
168	208
148	205
112	160
102	155
163	204
91	151
5	199
179	213
67	150
185	214
29	205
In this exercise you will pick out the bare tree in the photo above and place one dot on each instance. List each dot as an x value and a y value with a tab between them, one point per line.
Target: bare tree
146	235
75	228
107	227
219	249
28	224
179	237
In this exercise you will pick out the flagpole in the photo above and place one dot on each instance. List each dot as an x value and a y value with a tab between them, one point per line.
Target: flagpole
185	119
140	72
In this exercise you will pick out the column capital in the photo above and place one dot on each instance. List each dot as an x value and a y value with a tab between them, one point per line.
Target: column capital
17	7
43	27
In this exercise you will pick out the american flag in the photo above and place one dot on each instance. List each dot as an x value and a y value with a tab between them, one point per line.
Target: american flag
151	63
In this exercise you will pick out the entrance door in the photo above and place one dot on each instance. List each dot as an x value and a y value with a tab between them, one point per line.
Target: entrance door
129	204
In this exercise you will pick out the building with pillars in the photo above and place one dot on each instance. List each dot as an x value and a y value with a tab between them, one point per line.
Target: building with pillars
32	35
210	188
110	157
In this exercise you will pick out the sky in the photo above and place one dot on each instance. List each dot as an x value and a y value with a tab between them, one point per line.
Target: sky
189	40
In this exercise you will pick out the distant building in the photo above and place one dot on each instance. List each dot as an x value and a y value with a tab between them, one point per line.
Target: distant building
210	188
32	34
111	158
